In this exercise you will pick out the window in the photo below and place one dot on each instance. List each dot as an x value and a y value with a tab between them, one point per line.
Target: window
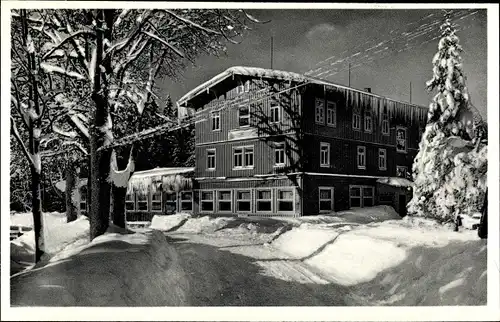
356	121
361	160
129	201
385	122
224	201
279	154
211	159
368	193
248	152
215	121
401	139
186	200
331	113
361	196
156	200
275	113
243	200
401	171
142	201
355	197
240	89
368	121
264	201
243	157
244	115
247	86
207	201
170	202
285	200
320	111
324	154
83	198
325	199
382	159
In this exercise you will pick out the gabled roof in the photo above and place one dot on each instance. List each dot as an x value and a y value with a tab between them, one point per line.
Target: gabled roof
269	73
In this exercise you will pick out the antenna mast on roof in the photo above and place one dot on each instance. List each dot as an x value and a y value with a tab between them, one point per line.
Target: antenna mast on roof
349	79
271	52
410	92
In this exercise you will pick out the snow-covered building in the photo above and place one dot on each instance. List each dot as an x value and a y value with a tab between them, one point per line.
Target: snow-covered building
275	143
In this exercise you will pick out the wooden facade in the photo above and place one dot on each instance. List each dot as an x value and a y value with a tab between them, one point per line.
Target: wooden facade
327	143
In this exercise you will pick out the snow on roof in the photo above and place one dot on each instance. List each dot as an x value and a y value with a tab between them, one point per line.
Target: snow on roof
269	73
396	182
161	172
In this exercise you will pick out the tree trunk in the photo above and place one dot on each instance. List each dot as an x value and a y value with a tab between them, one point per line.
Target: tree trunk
71	185
100	131
37	213
118	212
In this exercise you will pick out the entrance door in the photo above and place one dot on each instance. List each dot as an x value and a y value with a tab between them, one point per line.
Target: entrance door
402	205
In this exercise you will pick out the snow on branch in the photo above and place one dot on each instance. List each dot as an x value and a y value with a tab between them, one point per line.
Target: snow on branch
48	68
66	134
121	178
177	51
192	23
79	125
13	128
65	40
77	145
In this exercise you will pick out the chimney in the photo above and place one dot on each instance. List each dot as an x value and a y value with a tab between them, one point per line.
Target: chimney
368	89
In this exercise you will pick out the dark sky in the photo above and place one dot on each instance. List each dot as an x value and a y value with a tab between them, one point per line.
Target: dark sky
303	38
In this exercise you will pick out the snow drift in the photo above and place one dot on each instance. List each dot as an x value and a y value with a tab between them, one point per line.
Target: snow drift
113	270
169	222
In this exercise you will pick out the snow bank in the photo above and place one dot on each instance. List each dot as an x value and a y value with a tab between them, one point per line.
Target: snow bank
302	242
25	219
58	235
358	255
112	270
369	214
204	224
354	259
455	275
169	222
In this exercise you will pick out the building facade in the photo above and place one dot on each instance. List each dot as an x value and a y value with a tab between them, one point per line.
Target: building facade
273	143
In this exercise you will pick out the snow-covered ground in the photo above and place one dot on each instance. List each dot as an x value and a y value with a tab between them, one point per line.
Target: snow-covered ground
367	256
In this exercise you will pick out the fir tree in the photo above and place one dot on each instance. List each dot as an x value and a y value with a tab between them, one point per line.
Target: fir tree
449	175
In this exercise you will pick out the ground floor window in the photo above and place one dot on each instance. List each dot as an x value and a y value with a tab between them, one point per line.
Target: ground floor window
207	201
361	196
285	200
156	201
186	201
142	201
243	200
130	201
325	199
264	200
224	200
170	202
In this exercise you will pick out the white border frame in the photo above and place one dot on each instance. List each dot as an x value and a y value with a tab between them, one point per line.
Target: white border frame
491	311
321	145
200	206
357	157
215	159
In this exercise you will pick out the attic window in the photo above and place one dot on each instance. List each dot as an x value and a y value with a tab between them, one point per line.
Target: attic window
240	89
244	115
247	86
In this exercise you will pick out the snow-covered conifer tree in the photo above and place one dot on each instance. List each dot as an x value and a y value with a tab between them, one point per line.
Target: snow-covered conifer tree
445	148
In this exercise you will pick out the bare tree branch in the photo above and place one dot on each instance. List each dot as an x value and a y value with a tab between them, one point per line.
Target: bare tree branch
175	50
191	23
13	128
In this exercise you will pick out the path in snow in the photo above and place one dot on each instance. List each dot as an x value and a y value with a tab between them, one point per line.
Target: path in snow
224	271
